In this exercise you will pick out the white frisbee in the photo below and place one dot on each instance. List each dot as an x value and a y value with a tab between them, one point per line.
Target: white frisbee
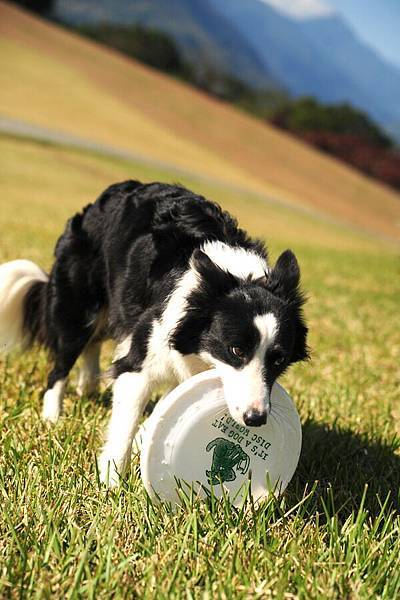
191	437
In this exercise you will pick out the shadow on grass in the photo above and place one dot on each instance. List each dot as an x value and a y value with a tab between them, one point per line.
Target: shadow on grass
346	462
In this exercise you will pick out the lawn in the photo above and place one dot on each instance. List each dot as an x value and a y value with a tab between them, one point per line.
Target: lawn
335	532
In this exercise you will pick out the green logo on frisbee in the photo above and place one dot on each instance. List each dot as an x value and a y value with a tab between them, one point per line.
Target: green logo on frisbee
226	456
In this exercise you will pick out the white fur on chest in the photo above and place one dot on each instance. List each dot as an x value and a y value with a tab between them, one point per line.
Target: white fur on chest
163	363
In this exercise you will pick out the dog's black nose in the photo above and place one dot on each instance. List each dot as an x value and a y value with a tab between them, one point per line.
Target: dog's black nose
255	418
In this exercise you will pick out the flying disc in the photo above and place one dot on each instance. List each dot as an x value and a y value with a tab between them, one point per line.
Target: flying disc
191	441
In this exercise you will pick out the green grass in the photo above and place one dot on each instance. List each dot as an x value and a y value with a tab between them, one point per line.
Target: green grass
335	532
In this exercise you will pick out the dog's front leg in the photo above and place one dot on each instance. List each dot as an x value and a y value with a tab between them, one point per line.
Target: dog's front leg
89	372
130	394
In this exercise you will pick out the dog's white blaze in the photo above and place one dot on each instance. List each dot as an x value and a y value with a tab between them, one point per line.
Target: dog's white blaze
52	402
267	325
240	262
16	277
130	393
245	388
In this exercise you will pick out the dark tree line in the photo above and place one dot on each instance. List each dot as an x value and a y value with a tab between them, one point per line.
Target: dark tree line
42	7
150	46
306	114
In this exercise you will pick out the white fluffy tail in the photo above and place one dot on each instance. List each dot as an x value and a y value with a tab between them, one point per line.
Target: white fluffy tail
16	279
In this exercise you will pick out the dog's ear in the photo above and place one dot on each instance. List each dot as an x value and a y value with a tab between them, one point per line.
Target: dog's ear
283	280
300	349
215	278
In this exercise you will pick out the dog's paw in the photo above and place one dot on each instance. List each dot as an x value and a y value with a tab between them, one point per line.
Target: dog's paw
51	407
109	473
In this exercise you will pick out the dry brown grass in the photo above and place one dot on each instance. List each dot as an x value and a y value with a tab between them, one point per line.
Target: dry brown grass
54	78
42	185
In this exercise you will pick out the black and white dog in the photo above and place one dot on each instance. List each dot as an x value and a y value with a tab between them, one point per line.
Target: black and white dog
178	285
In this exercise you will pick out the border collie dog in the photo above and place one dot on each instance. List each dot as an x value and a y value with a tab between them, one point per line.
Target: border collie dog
177	284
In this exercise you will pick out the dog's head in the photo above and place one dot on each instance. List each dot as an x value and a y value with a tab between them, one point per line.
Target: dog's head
250	329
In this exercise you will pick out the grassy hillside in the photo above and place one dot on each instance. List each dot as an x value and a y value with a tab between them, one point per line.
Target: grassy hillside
62	536
79	87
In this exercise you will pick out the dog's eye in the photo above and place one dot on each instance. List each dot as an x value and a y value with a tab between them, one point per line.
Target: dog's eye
278	359
236	351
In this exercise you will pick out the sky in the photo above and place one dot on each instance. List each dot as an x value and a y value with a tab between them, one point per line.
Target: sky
377	22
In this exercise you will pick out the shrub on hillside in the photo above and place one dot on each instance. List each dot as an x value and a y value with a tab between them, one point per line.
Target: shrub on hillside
150	46
307	114
360	153
231	89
